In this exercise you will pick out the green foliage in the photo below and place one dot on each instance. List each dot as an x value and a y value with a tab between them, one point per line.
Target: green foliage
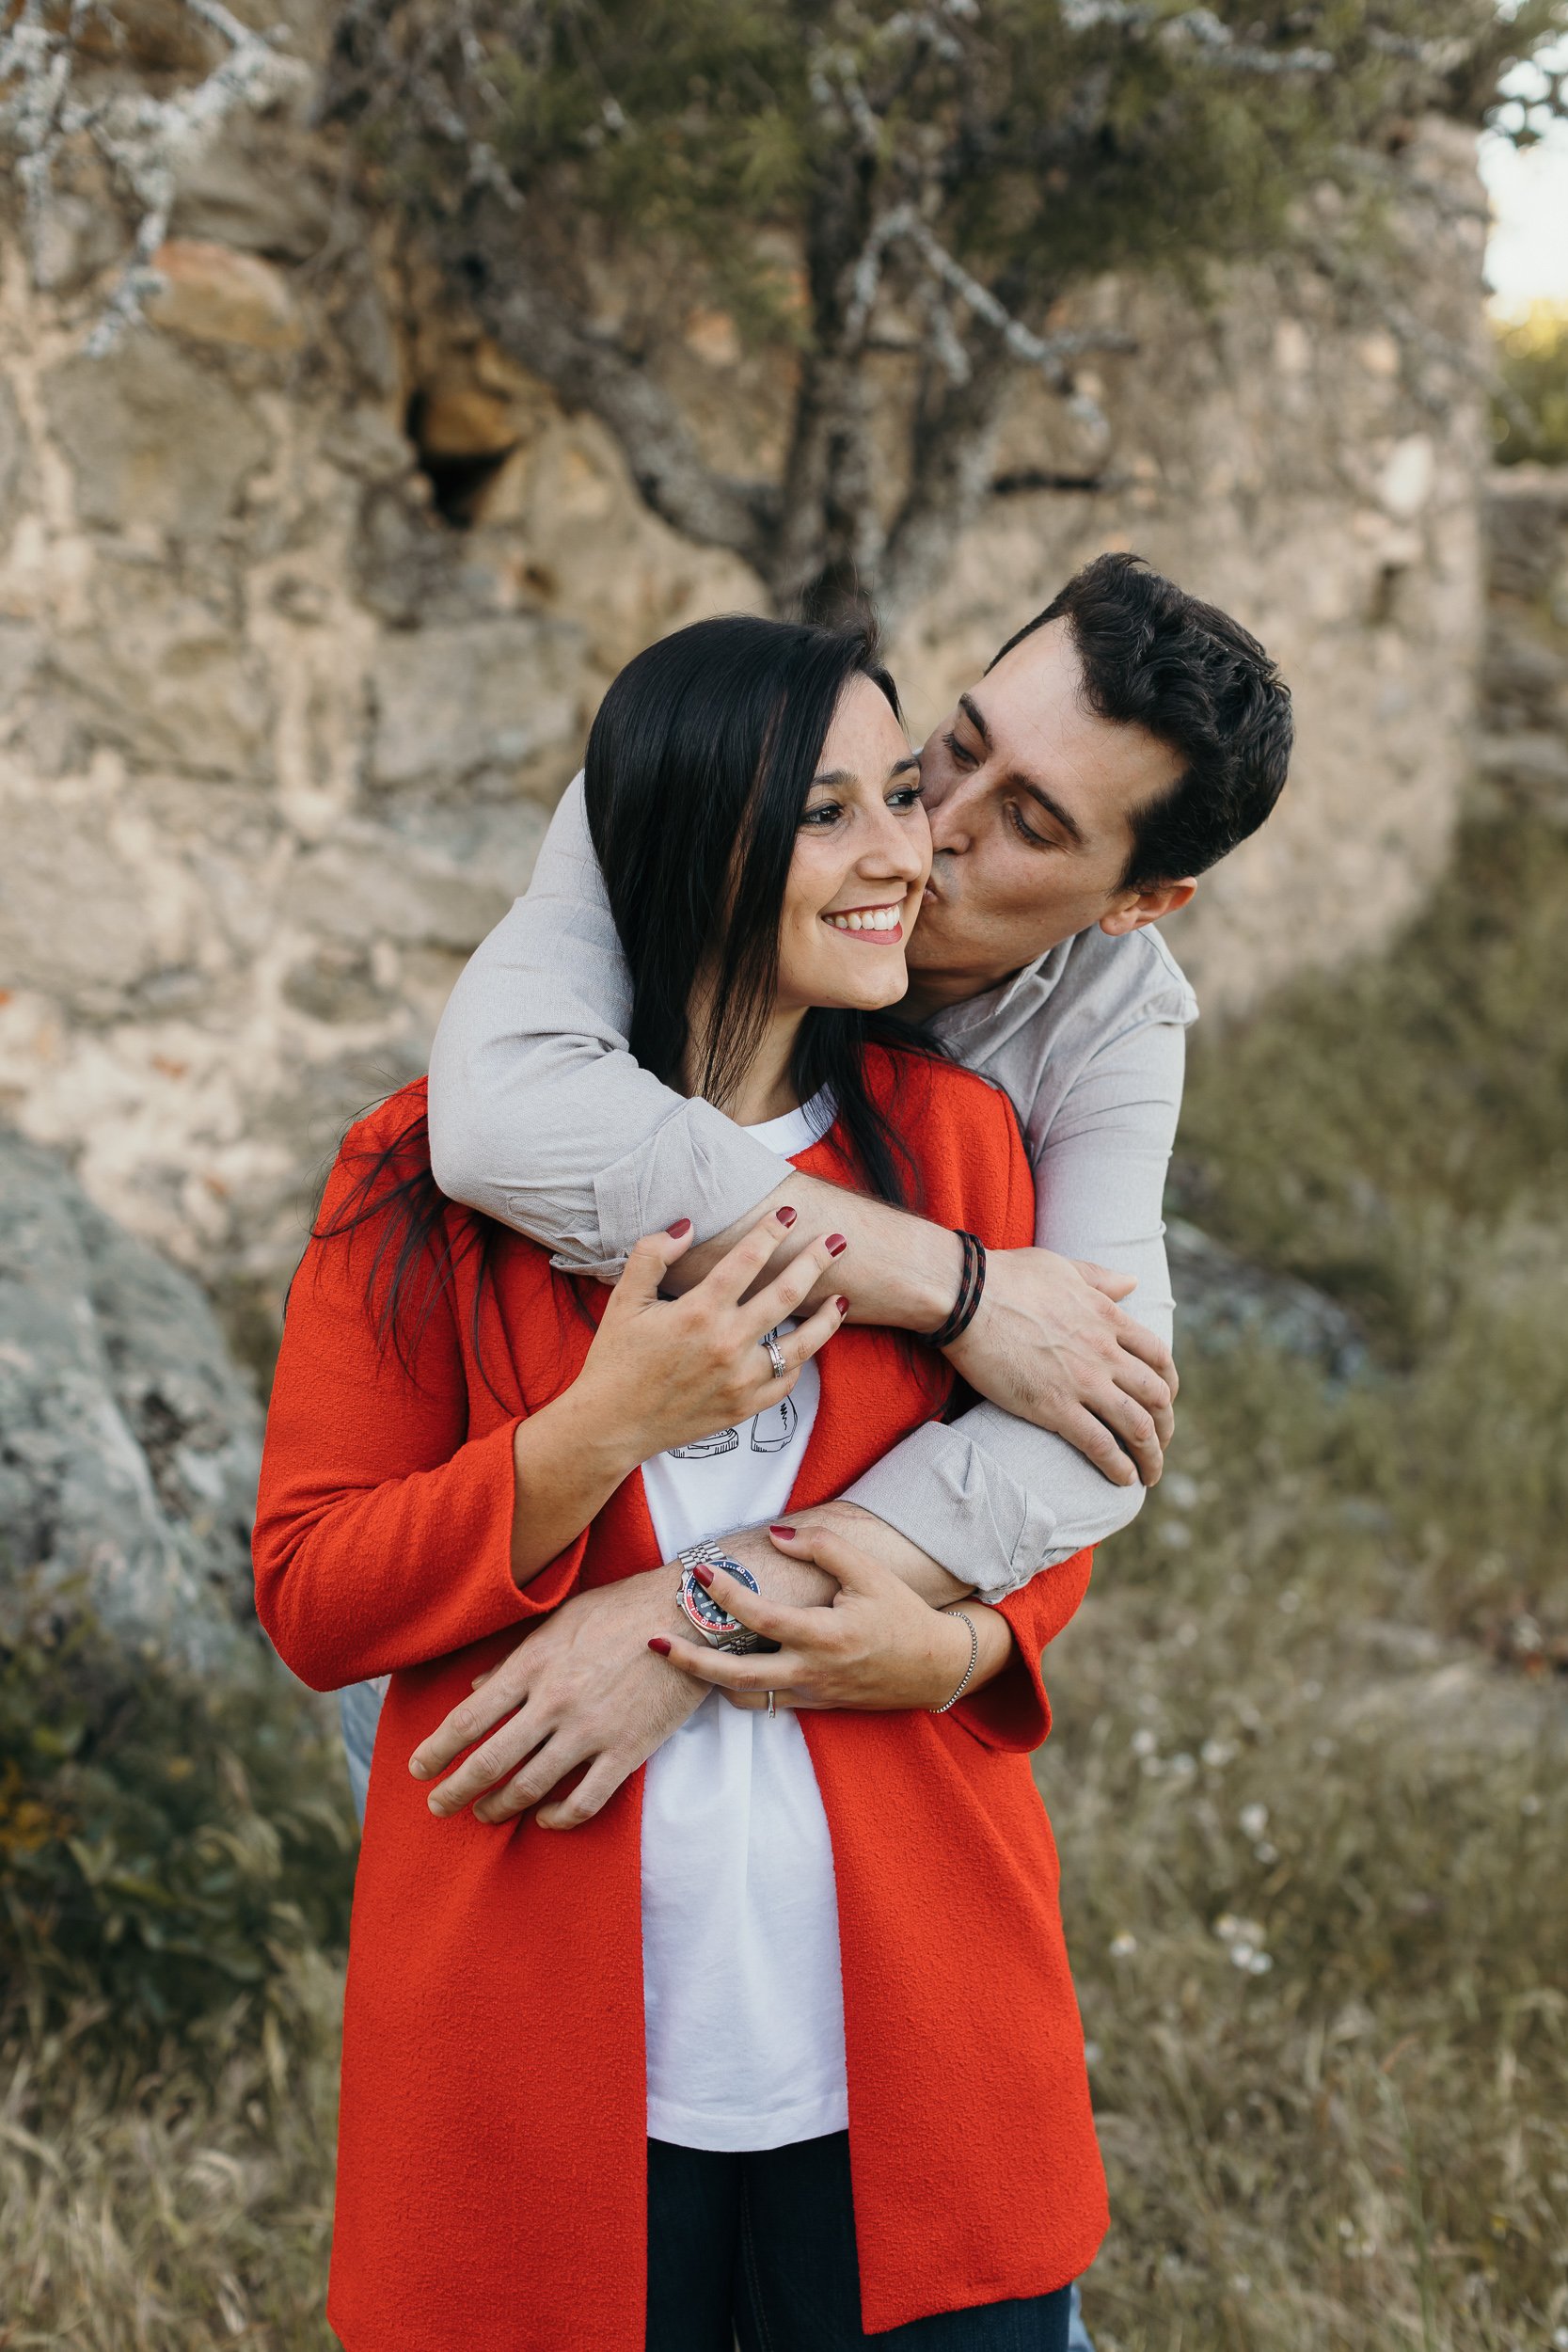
850	180
1427	1103
1532	361
1047	150
164	1846
1398	1134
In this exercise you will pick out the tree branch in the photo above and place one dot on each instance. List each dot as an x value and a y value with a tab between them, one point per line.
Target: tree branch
150	143
590	371
1197	28
951	471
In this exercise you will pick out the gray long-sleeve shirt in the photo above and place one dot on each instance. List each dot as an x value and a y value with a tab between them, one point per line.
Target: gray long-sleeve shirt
539	1116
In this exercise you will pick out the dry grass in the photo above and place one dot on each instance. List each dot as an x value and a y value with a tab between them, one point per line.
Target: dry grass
178	2205
1307	1776
1311	1715
1312	1863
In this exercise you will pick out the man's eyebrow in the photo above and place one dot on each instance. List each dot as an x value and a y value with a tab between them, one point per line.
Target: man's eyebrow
1052	807
970	709
1036	792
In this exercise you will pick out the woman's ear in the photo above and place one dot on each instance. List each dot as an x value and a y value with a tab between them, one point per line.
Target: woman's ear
1146	906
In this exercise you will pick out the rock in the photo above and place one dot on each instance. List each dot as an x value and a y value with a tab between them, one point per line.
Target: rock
74	917
1527	524
11	447
365	331
1405	483
260	187
152	437
358	891
454	702
1531	768
216	295
458	417
1524	675
163	673
1222	1298
128	1444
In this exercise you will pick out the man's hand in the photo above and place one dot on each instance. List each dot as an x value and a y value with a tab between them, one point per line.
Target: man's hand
582	1688
1050	1345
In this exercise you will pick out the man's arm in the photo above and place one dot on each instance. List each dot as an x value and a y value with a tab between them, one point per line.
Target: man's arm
540	1117
538	1114
990	1487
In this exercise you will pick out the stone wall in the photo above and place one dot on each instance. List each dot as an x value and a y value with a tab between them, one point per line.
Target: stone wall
1523	752
286	693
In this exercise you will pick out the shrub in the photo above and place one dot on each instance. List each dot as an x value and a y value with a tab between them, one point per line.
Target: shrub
1532	360
166	1846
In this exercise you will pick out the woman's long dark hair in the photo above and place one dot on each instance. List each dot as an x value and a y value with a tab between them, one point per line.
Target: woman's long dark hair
698	769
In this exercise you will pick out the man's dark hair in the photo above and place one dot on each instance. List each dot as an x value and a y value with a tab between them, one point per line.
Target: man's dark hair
1155	657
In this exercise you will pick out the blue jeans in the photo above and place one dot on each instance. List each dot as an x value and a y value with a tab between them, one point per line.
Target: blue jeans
761	2247
358	1712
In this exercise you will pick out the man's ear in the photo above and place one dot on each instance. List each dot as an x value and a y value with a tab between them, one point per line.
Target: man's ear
1146	906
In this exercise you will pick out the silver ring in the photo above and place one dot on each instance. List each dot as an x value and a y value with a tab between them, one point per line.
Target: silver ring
771	1708
775	1356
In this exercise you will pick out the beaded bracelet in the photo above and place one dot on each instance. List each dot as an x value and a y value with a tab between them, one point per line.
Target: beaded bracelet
973	1661
971	1288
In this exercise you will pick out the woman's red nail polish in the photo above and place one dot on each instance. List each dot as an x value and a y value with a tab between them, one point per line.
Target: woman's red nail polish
835	1242
703	1574
786	1217
843	1305
787	1533
681	1226
657	1642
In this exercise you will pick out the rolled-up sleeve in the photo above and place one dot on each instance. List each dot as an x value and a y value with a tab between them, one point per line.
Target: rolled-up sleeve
991	1497
538	1114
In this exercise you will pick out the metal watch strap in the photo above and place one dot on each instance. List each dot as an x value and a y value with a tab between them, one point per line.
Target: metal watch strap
709	1617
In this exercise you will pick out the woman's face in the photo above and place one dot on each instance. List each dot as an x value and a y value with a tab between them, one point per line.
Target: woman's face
861	857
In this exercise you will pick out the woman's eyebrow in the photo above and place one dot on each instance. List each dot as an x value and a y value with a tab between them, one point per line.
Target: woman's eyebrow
840	778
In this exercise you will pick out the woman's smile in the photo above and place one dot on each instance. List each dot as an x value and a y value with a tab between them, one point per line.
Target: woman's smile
877	926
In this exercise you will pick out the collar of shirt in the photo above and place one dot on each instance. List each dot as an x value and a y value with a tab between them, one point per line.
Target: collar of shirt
1122	979
1000	1012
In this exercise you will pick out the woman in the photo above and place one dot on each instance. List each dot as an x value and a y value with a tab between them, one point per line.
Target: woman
702	2062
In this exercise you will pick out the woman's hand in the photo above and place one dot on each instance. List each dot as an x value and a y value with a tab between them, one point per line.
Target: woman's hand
666	1371
879	1646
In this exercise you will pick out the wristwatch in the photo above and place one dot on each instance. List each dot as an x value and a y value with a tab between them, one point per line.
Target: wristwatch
718	1629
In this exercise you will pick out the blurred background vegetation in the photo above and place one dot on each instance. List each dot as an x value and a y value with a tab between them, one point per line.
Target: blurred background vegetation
1532	356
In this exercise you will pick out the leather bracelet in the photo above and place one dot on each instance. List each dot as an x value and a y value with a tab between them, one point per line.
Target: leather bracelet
972	1289
973	1661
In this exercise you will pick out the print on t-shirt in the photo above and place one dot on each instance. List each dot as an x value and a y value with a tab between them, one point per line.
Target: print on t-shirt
772	1429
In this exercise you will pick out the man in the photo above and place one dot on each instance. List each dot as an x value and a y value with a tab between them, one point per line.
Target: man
1119	746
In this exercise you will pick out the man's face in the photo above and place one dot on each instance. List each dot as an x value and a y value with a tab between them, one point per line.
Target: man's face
1031	799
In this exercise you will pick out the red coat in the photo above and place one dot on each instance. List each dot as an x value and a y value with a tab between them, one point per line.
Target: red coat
491	2172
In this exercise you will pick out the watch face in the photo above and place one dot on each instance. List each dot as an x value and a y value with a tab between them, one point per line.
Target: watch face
704	1610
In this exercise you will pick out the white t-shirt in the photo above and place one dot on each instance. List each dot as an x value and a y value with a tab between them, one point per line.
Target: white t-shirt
740	1965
